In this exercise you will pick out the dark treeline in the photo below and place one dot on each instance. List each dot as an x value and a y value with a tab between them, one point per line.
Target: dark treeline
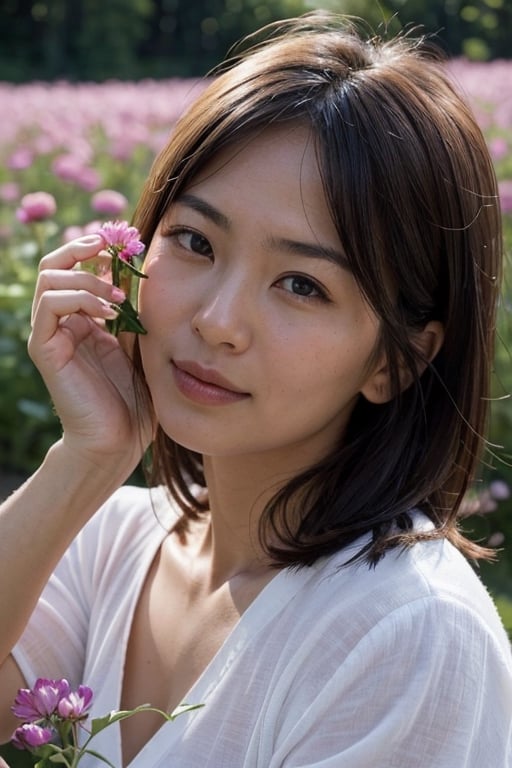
132	39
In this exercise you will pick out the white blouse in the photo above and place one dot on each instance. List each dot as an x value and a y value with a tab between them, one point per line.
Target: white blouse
405	665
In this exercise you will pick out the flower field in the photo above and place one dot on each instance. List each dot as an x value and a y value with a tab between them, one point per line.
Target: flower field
89	146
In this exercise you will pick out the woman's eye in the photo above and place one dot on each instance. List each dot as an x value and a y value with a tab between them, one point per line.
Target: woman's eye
302	286
193	241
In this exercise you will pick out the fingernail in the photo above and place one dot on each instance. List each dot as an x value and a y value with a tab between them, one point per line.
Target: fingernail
117	294
110	311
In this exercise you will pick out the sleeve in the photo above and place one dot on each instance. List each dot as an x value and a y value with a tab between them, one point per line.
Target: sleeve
54	642
428	686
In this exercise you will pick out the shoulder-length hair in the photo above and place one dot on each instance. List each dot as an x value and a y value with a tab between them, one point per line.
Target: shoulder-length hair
413	195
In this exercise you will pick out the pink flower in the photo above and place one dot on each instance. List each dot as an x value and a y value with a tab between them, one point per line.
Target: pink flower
36	206
74	706
121	239
20	159
41	701
109	202
73	169
29	736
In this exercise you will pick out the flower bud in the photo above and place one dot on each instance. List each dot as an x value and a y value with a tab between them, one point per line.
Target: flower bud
36	206
30	735
109	202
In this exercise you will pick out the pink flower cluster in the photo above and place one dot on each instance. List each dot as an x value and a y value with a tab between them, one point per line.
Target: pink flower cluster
121	240
42	708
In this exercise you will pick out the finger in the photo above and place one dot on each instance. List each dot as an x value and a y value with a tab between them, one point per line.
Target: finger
54	306
73	252
59	280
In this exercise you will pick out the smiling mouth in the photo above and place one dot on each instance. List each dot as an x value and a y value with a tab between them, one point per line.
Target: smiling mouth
205	386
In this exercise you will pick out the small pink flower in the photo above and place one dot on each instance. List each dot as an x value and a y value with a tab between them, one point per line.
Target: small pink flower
74	706
91	228
29	736
109	202
498	148
41	701
73	169
9	191
71	233
20	159
67	167
122	239
36	206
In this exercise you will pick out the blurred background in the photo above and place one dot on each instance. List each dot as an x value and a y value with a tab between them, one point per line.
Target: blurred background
90	90
133	39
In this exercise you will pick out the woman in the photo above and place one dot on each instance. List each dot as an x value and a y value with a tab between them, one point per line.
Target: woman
323	271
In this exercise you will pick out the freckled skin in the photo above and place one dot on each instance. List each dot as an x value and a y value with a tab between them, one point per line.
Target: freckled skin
224	295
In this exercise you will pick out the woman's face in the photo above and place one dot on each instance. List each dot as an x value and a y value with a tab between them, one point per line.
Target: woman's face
258	338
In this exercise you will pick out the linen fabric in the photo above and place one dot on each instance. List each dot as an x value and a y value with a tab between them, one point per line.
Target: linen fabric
401	665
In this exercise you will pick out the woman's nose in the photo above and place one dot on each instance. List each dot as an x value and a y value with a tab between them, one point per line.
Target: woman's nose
223	317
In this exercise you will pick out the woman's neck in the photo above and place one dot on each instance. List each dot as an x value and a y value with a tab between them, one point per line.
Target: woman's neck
238	491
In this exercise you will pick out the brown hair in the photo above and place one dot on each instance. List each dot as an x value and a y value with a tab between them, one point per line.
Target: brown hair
413	195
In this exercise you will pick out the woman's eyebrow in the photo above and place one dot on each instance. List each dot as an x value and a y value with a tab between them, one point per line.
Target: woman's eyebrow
311	250
296	247
201	206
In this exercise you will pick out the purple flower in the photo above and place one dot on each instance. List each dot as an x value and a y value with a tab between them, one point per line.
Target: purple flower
74	706
29	736
36	206
41	701
121	239
109	202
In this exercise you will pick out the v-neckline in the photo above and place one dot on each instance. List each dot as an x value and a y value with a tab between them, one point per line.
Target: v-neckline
274	596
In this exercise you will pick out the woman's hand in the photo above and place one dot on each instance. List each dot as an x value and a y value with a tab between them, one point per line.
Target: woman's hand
85	368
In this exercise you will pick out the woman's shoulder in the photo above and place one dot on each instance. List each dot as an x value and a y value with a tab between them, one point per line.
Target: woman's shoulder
431	579
133	520
136	508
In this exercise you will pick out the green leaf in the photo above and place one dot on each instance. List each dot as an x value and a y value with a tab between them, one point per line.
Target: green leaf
59	757
100	723
126	264
45	750
50	754
182	709
127	320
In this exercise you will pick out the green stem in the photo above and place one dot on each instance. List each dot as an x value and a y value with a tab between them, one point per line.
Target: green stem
113	325
38	230
115	267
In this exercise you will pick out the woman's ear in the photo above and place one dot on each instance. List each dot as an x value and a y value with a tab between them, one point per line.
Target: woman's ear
427	343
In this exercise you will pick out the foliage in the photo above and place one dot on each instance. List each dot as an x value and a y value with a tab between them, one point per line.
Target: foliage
478	29
167	38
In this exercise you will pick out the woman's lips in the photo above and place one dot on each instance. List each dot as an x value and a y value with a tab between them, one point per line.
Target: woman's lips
205	386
